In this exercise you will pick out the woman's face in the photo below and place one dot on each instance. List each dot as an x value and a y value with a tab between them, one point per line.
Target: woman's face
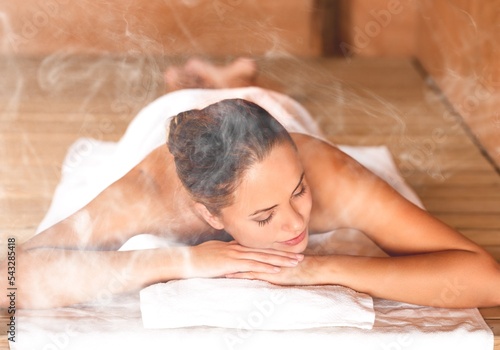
272	205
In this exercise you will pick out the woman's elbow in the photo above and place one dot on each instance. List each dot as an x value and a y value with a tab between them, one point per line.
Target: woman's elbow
491	285
495	291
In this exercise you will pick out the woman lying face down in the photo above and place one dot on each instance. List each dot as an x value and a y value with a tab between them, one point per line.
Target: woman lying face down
242	169
232	167
248	177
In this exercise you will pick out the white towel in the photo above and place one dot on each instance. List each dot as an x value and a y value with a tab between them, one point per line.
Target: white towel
253	305
116	322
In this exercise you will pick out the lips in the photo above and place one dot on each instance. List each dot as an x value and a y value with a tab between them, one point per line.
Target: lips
296	240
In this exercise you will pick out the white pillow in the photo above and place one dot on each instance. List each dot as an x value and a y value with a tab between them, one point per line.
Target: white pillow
253	305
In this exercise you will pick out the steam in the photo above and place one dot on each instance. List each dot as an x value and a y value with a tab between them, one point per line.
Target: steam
102	91
97	95
12	83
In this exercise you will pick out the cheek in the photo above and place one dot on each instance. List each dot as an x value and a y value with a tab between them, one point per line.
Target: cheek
251	234
305	205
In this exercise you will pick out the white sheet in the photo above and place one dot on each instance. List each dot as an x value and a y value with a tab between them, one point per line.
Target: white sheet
116	322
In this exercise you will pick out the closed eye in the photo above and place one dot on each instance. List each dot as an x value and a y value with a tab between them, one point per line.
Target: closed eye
302	191
265	221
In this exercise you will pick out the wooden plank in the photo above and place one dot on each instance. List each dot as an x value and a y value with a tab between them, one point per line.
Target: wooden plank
449	193
462	178
483	237
463	205
471	220
4	343
105	126
4	319
494	251
490	313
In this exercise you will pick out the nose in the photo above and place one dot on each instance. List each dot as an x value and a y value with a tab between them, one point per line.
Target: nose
294	221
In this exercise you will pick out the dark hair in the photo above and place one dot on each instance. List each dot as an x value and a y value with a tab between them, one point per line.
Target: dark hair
214	146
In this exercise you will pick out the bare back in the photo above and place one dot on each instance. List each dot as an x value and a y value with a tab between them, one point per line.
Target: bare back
151	199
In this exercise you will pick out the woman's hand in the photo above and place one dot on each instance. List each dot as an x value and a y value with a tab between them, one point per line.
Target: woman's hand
307	272
216	259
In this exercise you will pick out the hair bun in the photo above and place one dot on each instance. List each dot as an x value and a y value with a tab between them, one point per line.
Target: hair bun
212	147
176	136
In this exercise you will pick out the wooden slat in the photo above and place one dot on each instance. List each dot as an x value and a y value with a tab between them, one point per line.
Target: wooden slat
4	319
456	178
494	250
483	237
463	205
451	193
471	220
490	313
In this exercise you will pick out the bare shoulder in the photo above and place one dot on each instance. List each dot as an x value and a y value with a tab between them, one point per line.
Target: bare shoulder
312	150
131	205
338	183
345	194
325	163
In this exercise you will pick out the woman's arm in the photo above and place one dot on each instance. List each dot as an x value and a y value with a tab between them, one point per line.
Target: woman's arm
454	279
51	277
448	278
74	261
429	263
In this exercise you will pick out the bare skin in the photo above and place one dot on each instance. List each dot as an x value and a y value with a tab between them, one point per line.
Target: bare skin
424	251
318	189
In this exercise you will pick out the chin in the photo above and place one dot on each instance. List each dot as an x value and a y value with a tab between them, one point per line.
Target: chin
302	246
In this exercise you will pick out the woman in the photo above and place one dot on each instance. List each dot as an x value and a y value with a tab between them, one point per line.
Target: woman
231	169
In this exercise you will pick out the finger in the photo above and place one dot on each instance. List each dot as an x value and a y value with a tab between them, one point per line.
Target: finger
270	259
249	266
242	275
296	256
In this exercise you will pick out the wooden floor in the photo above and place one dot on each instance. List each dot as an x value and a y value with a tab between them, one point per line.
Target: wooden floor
47	104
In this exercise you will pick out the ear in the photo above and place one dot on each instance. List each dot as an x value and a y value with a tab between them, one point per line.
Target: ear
211	219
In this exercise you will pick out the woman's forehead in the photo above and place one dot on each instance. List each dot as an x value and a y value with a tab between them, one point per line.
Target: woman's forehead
277	175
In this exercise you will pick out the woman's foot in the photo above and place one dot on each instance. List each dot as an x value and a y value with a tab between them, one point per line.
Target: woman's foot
197	73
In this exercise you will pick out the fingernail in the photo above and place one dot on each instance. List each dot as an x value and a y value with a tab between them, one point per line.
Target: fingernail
276	269
294	262
300	257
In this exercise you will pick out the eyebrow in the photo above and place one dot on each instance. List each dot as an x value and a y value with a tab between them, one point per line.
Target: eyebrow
274	206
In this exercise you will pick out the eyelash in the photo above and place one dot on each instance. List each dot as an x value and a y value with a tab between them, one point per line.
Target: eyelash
302	192
267	220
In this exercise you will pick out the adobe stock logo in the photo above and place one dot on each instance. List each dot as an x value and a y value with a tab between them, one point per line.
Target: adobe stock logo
42	12
262	310
362	36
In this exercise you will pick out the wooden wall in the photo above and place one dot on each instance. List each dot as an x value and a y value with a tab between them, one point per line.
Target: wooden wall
459	45
456	41
166	27
377	28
